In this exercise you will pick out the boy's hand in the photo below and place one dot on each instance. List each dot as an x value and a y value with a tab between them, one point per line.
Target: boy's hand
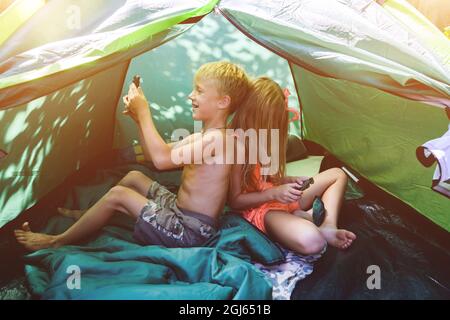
126	110
286	193
136	104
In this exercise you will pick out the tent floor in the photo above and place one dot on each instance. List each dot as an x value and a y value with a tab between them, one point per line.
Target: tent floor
408	249
411	266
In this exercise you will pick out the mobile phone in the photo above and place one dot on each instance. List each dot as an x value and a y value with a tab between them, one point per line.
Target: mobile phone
137	80
305	185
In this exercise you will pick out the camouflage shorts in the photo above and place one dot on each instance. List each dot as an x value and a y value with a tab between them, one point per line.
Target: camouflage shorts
162	222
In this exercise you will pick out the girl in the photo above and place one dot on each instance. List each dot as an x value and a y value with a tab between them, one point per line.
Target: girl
273	203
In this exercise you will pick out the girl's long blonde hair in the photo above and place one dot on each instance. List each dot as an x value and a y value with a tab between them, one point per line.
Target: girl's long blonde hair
264	108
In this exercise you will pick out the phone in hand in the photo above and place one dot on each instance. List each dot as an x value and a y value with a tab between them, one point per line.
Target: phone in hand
305	185
137	81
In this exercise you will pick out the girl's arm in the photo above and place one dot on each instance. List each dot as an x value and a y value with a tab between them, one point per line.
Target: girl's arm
241	201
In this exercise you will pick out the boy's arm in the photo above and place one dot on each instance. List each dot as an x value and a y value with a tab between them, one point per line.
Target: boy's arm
154	147
184	141
151	140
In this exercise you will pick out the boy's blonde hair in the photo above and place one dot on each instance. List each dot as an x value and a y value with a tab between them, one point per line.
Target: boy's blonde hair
265	108
231	79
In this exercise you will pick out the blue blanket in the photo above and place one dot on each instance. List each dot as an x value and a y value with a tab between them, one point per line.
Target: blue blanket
110	265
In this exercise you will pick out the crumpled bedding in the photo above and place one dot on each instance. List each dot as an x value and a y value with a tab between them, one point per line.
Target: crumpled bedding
112	266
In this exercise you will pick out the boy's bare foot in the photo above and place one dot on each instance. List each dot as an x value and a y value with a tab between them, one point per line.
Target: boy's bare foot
34	241
75	214
339	238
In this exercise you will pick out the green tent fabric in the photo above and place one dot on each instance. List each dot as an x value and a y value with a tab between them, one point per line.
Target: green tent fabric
351	70
371	80
115	267
352	40
386	55
72	121
104	41
40	121
379	140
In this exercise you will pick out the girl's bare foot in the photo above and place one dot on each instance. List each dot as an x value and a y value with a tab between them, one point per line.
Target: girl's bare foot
75	214
35	241
339	238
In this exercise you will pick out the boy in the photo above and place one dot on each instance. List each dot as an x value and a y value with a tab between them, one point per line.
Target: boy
163	218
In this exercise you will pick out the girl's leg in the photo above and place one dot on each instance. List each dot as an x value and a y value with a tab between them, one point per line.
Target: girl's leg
294	233
304	214
134	180
330	186
119	198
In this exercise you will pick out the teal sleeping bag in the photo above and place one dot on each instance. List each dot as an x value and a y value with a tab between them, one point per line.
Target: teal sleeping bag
110	265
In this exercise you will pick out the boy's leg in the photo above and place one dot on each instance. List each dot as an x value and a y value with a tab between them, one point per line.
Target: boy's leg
330	186
135	180
294	233
118	198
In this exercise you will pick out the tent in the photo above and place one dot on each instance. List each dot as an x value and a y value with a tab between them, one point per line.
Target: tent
372	80
437	11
